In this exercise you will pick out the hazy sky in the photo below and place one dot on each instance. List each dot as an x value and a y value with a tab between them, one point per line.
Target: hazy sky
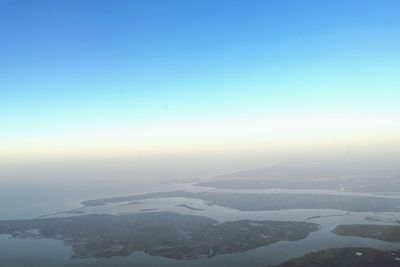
116	78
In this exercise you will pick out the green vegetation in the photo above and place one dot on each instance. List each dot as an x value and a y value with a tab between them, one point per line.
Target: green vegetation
389	233
346	257
158	233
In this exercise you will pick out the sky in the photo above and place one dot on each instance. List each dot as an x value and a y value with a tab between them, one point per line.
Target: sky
97	79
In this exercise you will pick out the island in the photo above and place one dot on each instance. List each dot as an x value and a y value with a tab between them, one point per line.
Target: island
389	233
346	257
270	201
166	234
188	207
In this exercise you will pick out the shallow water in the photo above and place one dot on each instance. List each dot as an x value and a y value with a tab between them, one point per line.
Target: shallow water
47	252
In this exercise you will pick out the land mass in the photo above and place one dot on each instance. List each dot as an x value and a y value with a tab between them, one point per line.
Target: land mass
270	201
164	234
346	257
188	207
347	175
389	233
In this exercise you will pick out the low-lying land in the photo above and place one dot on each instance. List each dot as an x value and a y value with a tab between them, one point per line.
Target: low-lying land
157	233
352	176
389	233
188	207
346	257
270	201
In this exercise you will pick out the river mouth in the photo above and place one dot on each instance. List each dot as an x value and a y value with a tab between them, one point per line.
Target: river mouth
50	252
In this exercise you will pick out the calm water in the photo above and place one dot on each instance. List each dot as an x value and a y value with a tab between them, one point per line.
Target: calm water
32	200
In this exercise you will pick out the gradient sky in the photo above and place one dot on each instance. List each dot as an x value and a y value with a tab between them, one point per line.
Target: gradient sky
93	78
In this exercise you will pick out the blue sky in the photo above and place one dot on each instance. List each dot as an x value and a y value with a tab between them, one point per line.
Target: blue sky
71	68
